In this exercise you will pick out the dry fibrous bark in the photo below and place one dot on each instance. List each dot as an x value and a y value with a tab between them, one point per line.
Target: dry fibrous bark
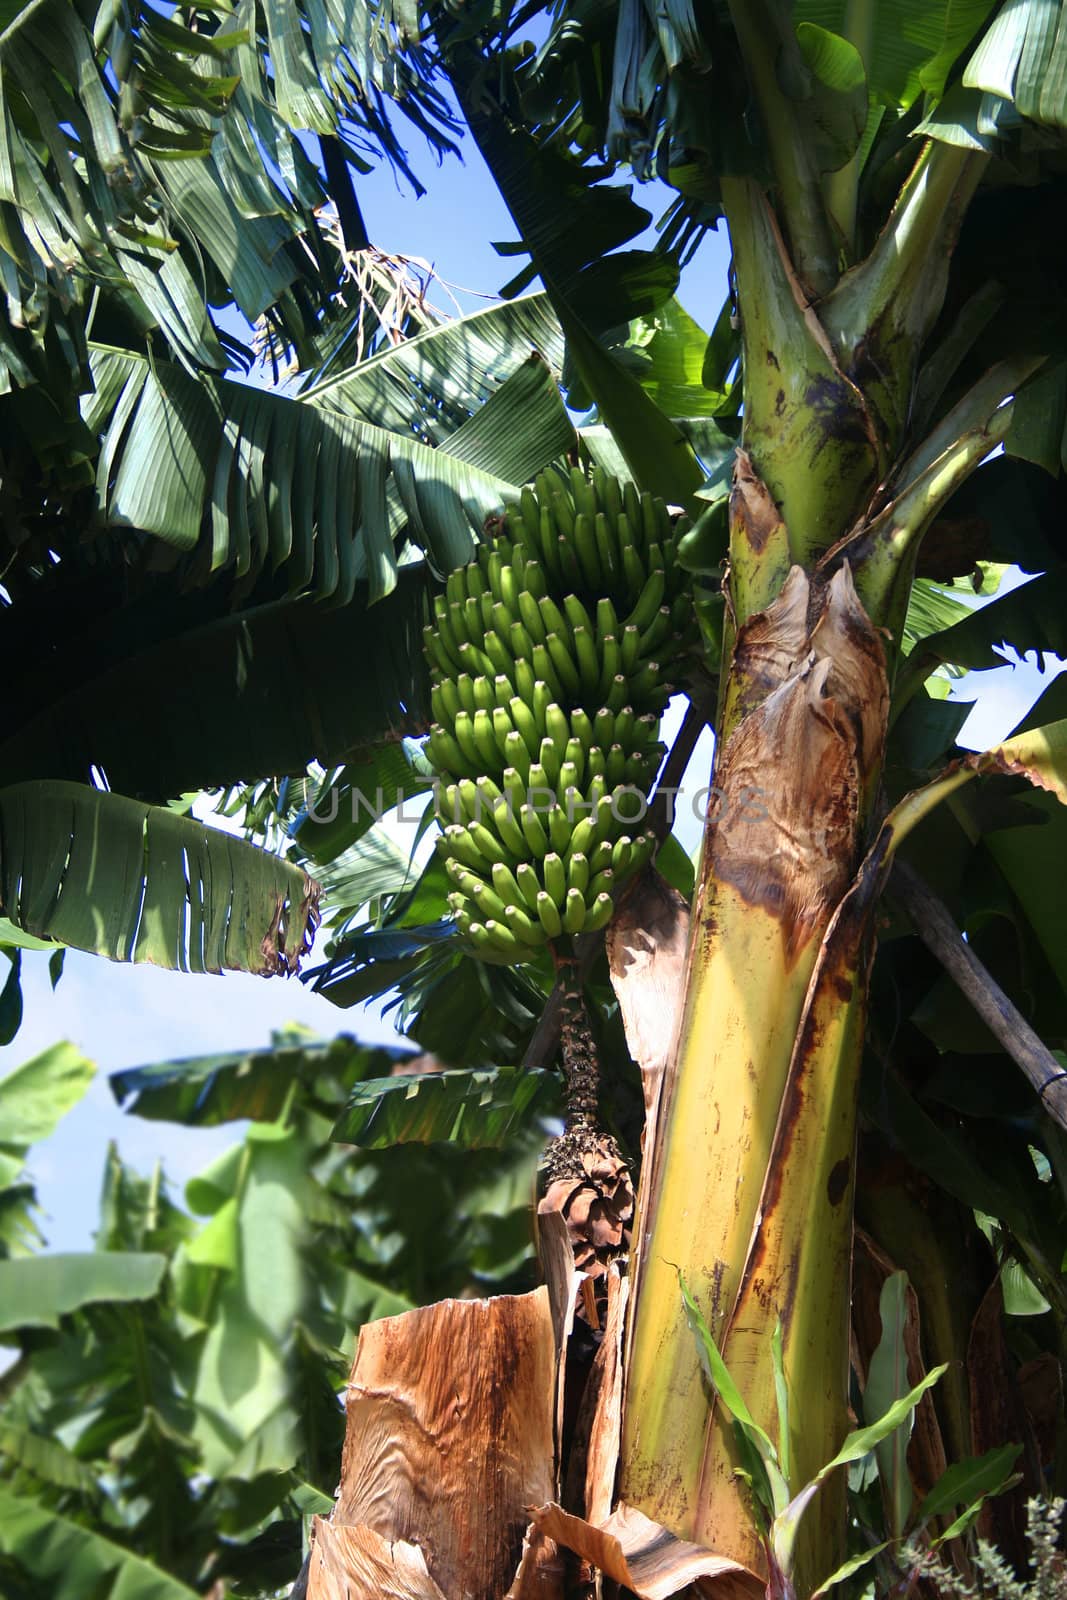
450	1439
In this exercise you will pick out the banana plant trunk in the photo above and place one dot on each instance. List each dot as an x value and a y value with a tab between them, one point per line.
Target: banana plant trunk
747	1195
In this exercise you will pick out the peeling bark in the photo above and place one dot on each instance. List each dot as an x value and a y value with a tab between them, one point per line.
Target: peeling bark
647	943
645	1558
449	1441
350	1562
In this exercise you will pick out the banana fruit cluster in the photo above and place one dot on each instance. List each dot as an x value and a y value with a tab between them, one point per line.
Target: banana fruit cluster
550	657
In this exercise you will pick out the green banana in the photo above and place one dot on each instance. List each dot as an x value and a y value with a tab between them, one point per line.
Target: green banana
524	681
578	872
629	649
544	666
495	568
486	844
600	860
555	877
617	693
534	579
557	727
511	835
485	741
522	645
485	898
446	754
476	662
522	926
574	753
648	602
559	830
607	621
548	540
600	883
585	548
461	844
621	854
517	753
588	663
607	552
525	723
550	759
549	915
573	912
529	884
502	726
598	915
562	660
567	558
463	727
554	621
548	662
502	659
533	830
531	618
633	568
567	786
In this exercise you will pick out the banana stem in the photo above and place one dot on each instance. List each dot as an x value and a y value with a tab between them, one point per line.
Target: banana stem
762	39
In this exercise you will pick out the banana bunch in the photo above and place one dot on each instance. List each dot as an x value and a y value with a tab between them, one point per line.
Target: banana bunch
550	657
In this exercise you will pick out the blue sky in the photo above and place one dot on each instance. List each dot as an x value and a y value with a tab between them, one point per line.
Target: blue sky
122	1016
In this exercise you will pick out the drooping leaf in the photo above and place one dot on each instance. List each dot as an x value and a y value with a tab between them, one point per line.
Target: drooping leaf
474	1110
37	1095
11	997
137	883
862	1440
188	698
367	788
432	384
45	1458
255	479
204	1091
75	1561
854	1564
910	50
36	1292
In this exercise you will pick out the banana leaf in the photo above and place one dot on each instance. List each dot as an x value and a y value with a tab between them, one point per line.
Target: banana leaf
137	883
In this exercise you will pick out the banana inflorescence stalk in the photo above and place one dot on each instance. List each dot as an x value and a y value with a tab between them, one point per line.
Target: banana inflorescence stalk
550	659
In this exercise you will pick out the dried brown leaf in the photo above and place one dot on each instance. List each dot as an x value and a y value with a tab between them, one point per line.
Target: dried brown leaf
644	1557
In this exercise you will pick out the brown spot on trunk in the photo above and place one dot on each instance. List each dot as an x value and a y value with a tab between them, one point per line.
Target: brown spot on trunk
753	512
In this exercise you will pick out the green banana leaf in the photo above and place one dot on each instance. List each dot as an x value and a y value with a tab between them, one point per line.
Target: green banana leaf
476	1110
184	694
432	384
135	883
102	113
204	1091
909	49
38	1291
75	1562
252	479
35	1096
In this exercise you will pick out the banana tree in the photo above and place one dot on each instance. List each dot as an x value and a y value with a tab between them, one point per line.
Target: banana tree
892	333
893	338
